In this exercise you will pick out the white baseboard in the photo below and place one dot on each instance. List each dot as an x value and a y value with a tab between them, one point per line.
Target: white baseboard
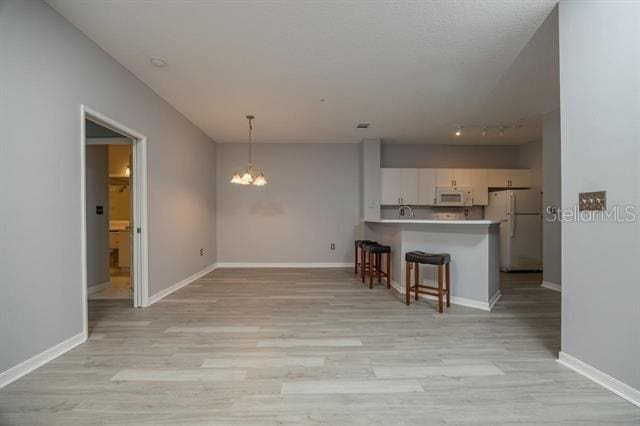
494	299
97	287
285	265
614	385
26	367
167	291
551	286
457	300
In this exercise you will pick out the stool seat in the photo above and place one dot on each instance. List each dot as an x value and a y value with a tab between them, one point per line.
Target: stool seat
428	258
377	249
358	243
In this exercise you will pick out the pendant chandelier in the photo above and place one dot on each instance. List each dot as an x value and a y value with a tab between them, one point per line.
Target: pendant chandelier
249	177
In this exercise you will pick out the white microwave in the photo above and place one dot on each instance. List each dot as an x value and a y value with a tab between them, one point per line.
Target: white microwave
450	196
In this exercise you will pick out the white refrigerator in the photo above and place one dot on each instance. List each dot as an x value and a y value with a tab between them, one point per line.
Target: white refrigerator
521	231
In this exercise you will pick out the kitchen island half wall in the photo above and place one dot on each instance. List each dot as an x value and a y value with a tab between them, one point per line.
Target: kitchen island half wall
474	246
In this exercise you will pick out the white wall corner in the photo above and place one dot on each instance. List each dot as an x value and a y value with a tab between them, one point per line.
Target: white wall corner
551	286
36	361
177	286
614	385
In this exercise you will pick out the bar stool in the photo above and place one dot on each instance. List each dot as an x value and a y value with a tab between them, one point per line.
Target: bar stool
358	245
364	259
441	260
375	252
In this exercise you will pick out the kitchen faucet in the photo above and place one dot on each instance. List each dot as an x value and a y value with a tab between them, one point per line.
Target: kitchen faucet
403	208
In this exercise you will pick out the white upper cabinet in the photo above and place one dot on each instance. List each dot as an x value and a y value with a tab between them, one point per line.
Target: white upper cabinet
509	178
398	186
453	177
390	184
480	186
426	187
409	186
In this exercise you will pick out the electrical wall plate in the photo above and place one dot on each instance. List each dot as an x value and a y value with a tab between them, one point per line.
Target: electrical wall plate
592	201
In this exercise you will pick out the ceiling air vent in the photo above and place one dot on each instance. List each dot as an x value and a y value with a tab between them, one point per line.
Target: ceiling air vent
363	125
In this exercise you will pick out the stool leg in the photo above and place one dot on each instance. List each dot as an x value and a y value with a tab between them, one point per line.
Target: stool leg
379	266
388	270
448	282
407	283
356	261
371	269
440	268
363	263
416	287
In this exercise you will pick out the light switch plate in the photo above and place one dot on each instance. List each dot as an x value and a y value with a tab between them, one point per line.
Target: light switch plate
592	201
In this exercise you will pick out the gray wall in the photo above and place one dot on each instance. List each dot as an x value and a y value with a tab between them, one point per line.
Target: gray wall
97	225
530	157
49	69
311	200
450	156
600	130
551	230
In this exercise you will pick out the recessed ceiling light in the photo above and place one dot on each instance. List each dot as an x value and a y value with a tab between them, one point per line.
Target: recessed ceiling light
363	125
158	62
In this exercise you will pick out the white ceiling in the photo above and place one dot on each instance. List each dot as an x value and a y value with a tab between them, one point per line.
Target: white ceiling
413	70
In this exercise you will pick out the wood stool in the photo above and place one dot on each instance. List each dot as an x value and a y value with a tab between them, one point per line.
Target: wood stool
364	259
375	252
358	246
441	260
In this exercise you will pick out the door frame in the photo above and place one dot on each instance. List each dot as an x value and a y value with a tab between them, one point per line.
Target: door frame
140	258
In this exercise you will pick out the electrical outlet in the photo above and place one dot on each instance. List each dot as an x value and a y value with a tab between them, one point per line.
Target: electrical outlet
201	252
333	246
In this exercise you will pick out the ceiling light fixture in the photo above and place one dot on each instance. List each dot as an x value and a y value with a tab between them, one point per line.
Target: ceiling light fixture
249	176
501	131
158	62
458	130
363	125
484	131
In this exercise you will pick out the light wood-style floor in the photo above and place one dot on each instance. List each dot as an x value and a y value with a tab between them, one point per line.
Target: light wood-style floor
314	346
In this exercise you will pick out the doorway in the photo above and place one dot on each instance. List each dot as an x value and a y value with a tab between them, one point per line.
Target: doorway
114	212
109	214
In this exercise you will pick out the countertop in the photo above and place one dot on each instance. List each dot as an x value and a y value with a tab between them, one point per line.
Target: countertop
435	222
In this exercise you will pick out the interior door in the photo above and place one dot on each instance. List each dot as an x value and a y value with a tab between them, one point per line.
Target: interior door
409	186
390	186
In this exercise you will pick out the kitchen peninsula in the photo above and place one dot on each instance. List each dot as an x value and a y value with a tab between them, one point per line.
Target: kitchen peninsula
474	246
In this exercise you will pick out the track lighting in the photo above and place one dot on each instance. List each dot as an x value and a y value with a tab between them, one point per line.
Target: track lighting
458	130
501	131
484	131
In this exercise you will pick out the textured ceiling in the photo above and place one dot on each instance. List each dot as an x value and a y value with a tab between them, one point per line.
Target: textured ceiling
414	70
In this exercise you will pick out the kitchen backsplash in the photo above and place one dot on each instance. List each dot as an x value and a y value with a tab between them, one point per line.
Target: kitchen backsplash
436	213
